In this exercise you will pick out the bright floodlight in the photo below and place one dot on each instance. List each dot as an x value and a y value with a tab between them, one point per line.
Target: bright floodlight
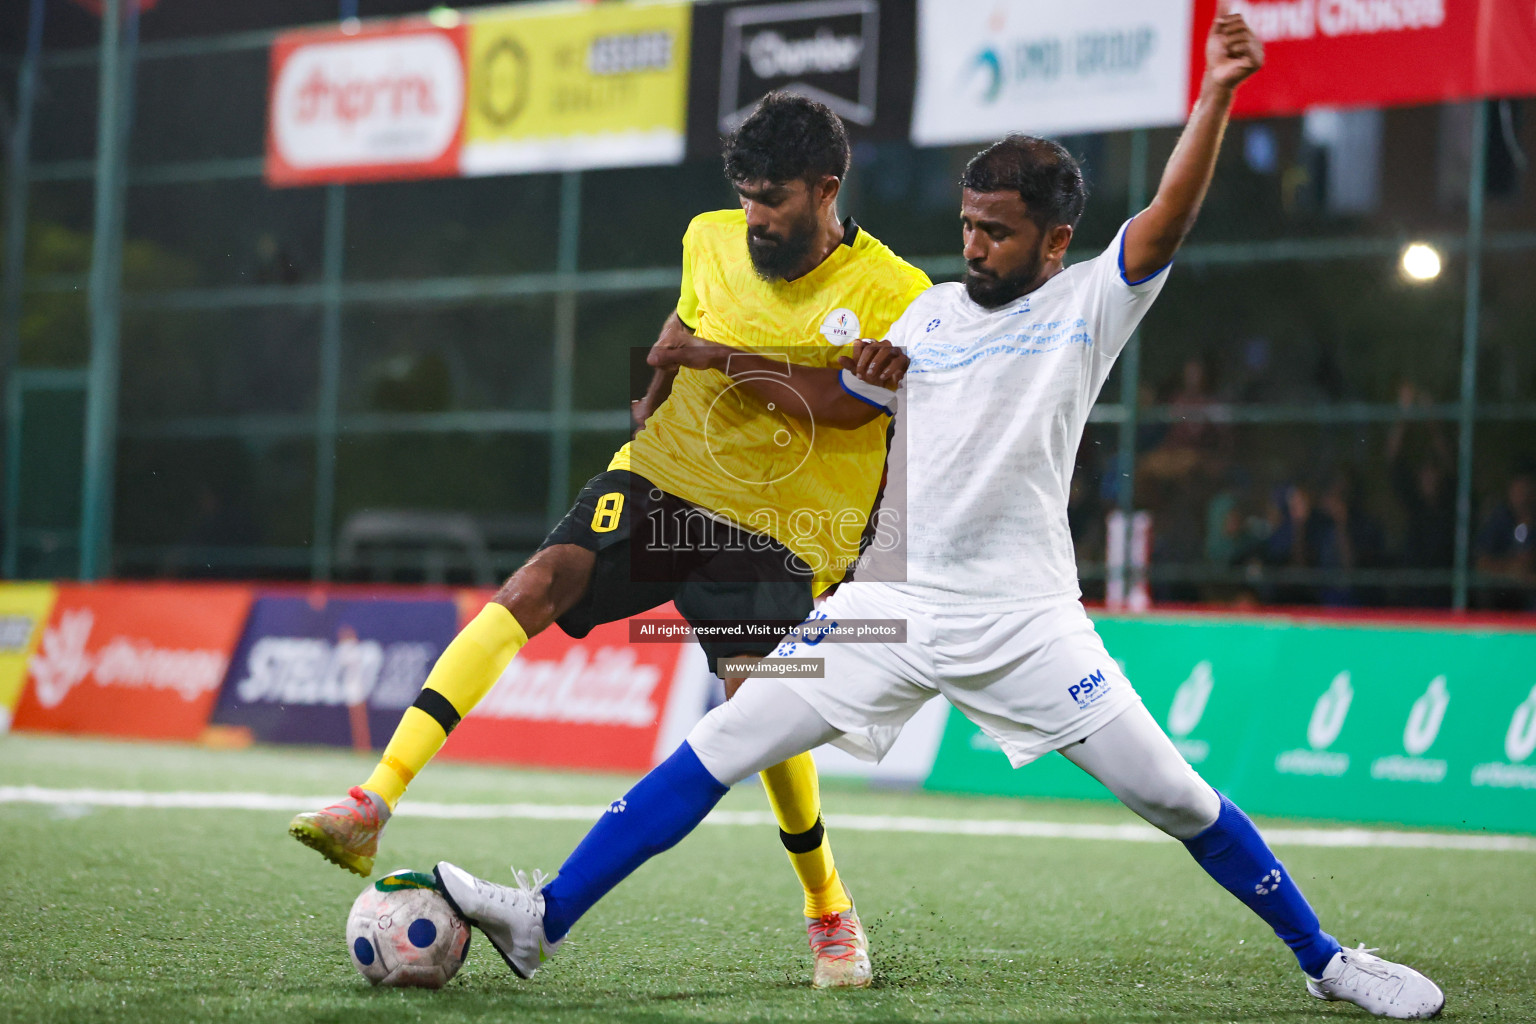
1421	262
444	17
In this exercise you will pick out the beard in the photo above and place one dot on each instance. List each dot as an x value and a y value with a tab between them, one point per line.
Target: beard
775	257
990	291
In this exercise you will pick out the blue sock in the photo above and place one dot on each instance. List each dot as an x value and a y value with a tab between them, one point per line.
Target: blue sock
653	816
1233	853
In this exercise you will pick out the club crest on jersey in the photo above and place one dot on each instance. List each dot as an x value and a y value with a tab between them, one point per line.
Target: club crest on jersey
840	327
1087	690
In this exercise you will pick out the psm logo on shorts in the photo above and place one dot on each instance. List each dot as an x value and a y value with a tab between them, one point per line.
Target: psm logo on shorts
1089	689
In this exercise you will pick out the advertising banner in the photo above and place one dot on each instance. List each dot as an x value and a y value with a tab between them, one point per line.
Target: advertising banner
1346	53
384	101
985	70
1429	727
1506	40
132	659
24	609
562	86
599	703
338	671
856	56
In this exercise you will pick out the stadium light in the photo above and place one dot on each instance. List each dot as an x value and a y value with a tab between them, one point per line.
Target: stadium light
444	17
1420	262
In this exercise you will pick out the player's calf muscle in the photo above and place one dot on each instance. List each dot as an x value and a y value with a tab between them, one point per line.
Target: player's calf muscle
547	586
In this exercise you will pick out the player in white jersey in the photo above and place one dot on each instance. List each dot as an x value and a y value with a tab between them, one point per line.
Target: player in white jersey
1003	369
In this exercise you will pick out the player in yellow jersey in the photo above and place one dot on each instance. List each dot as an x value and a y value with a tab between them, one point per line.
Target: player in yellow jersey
730	502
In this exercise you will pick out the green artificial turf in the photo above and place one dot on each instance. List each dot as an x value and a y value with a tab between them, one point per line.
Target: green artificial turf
176	915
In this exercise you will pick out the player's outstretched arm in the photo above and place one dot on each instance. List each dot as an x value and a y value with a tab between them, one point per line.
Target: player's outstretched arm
1232	53
770	377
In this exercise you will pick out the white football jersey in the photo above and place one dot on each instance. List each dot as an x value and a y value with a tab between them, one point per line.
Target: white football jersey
989	417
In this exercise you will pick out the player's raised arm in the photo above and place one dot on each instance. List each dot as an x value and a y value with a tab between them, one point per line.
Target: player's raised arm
1232	53
831	403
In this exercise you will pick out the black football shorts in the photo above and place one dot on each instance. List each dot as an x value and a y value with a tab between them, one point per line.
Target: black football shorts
653	547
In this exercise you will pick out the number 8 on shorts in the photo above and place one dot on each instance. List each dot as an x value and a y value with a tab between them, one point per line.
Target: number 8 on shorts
605	518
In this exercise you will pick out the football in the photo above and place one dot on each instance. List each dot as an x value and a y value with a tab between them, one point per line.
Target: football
402	933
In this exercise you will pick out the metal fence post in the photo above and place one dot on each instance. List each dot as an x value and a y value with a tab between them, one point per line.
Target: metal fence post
1130	370
563	373
1471	313
16	254
328	399
106	278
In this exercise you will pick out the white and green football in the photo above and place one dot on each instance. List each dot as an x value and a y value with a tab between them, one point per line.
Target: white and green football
403	934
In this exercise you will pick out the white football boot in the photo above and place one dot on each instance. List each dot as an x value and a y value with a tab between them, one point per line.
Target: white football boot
512	917
1380	986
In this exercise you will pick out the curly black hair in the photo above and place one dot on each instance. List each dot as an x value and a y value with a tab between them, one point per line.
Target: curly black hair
787	138
1042	172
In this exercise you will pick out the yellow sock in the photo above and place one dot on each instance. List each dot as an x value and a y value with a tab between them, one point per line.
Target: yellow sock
462	676
795	793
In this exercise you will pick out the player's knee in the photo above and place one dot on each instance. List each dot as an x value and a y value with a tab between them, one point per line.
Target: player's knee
719	740
546	587
1179	803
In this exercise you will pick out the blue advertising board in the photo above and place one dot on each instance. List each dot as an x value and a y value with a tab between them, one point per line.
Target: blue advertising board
339	672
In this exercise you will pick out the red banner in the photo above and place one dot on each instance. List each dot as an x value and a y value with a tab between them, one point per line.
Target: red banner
597	703
133	659
1506	48
1356	53
385	101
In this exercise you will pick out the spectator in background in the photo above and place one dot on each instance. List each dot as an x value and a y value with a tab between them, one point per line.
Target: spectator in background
1354	541
1296	531
1195	444
1178	477
1233	539
1424	487
1326	532
1506	545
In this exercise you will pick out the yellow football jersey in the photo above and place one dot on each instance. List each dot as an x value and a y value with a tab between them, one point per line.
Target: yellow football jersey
714	444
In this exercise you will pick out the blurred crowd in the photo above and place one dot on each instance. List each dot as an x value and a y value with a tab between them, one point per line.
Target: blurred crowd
1321	515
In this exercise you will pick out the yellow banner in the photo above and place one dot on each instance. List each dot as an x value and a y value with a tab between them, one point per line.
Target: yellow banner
561	86
24	609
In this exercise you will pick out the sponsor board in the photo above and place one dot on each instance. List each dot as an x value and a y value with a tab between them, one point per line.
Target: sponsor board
1357	722
1377	52
315	669
385	101
140	660
1516	771
856	56
1199	695
1329	712
600	702
24	609
985	70
560	86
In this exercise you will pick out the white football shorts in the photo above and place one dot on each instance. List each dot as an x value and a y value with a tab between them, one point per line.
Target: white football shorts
1034	679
